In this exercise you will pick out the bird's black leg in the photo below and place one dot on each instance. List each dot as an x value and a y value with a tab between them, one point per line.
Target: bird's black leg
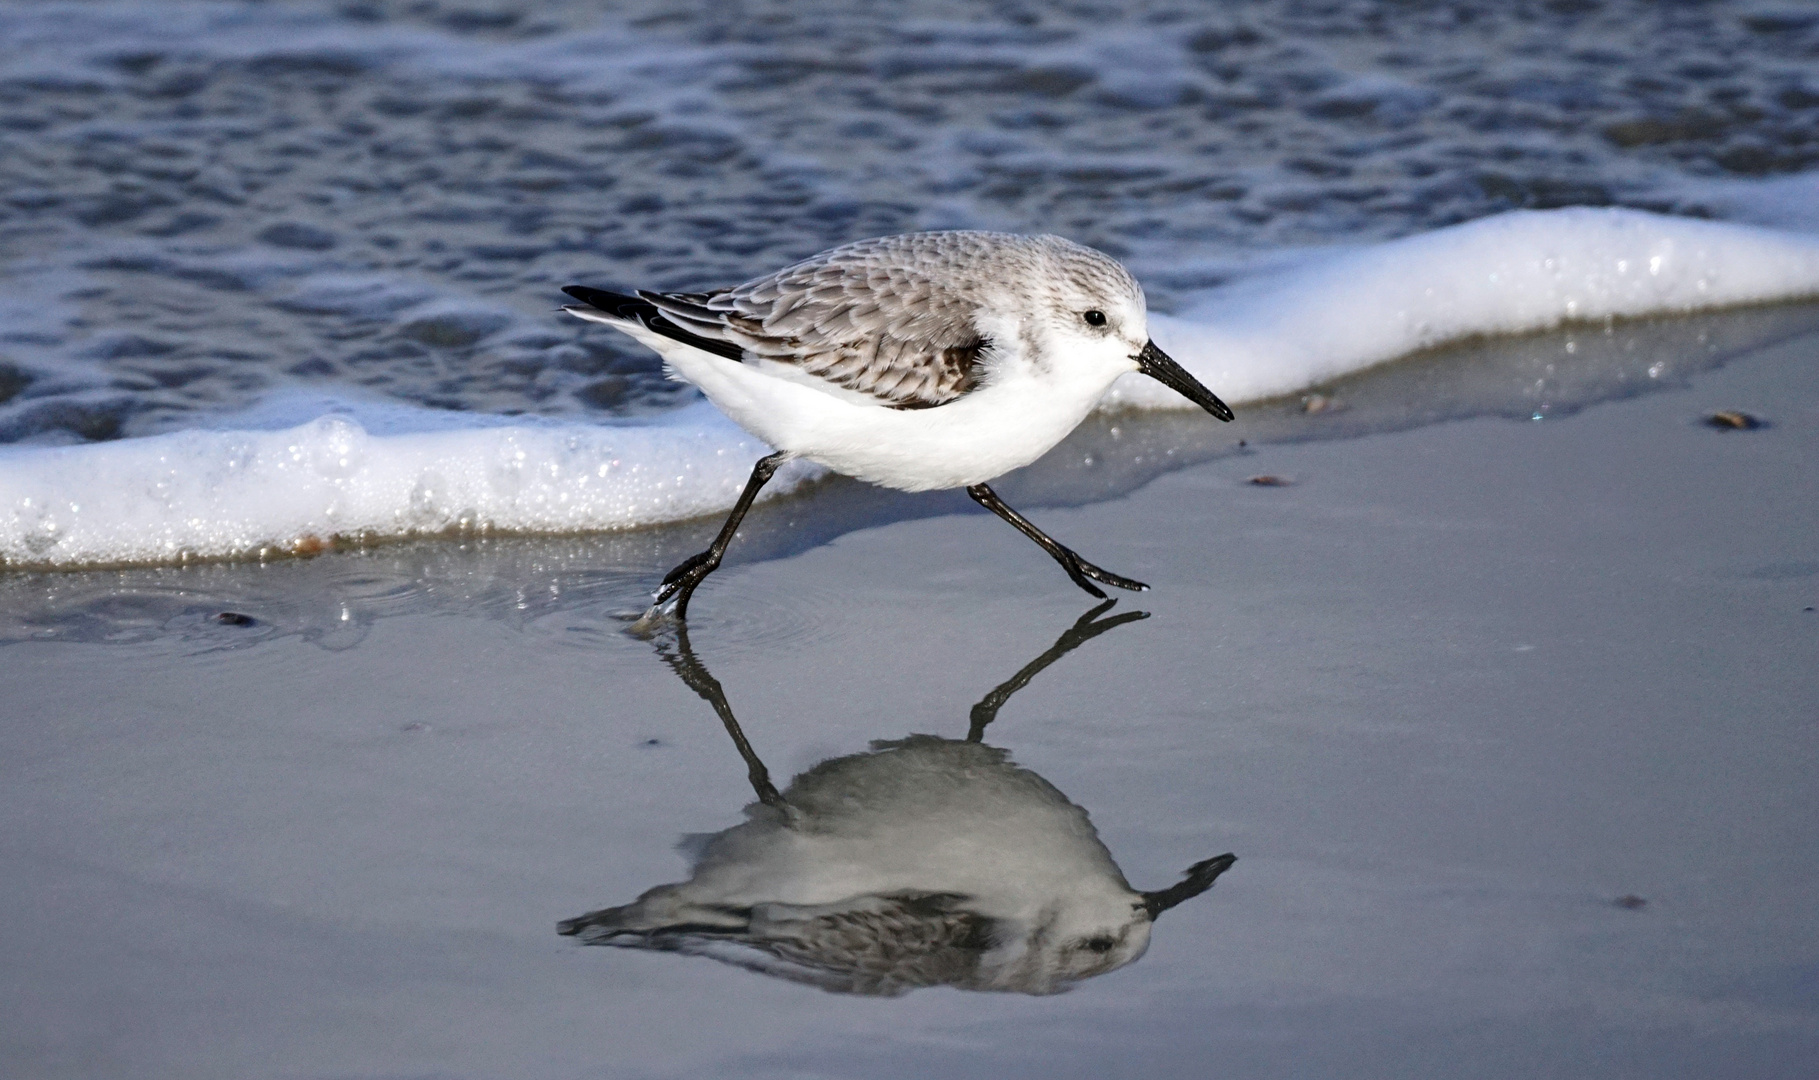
1077	568
680	582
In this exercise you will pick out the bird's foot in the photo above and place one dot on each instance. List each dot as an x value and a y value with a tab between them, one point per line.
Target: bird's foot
654	622
672	595
1080	570
668	610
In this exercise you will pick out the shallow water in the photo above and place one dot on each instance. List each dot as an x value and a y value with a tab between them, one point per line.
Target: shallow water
207	202
1507	722
317	248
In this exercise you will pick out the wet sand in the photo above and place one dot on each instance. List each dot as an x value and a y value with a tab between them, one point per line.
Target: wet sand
1451	694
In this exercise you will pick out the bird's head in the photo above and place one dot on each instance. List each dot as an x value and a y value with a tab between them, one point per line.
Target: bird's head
1094	314
1094	929
1085	932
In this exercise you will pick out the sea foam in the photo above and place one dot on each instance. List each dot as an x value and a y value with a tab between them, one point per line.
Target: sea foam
269	484
1514	273
214	493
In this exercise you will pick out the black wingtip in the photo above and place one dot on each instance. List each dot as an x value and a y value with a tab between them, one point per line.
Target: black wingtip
642	310
626	307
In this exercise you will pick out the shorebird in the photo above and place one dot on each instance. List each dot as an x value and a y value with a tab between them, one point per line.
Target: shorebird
918	362
926	861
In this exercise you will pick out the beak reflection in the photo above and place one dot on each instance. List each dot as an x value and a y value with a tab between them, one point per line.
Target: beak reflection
925	861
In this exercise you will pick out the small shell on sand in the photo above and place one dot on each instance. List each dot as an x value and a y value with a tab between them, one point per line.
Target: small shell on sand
1733	420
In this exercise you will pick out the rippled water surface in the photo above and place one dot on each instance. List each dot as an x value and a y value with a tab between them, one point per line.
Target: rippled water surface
205	202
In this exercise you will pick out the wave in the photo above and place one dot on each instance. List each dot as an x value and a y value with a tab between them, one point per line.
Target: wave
1515	273
299	472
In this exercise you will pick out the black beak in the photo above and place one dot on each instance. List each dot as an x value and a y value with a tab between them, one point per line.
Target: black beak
1199	878
1156	364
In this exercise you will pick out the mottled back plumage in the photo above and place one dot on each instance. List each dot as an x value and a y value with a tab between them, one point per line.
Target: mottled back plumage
876	946
897	318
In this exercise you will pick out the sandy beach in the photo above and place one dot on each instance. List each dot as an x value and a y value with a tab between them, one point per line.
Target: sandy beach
1510	723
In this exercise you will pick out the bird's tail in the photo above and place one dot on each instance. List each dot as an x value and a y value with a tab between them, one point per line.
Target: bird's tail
611	308
652	916
638	316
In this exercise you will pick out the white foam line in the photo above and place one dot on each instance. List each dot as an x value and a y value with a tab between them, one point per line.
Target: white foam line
1514	273
389	471
199	494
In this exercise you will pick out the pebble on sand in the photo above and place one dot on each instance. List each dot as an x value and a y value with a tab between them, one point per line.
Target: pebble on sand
1733	420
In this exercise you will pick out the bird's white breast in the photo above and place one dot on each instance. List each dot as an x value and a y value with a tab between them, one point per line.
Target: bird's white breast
1008	423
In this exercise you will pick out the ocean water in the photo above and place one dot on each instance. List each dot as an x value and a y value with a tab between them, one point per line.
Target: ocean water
222	221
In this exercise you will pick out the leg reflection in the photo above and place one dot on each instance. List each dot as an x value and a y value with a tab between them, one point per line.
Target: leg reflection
692	671
689	668
1085	629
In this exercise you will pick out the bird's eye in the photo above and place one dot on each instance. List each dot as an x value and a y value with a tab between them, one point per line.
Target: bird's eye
1100	944
1094	317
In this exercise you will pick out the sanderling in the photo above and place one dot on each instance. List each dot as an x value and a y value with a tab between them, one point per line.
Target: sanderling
925	361
925	862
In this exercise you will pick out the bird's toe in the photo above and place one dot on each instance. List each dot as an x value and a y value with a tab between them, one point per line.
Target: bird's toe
1116	581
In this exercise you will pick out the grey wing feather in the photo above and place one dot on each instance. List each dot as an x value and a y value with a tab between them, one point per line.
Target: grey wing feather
885	946
862	317
741	955
875	945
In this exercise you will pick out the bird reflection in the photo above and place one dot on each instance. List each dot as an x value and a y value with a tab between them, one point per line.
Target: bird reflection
925	861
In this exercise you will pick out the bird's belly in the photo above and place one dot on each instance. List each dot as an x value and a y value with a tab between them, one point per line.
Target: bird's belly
950	446
929	464
985	434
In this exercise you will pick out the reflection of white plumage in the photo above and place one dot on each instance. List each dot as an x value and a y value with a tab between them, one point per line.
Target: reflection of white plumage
927	861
